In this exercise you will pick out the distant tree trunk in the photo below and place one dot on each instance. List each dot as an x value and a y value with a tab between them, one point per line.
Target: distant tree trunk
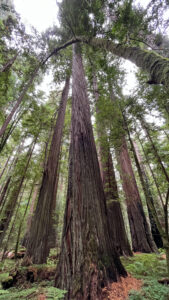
37	247
10	207
18	102
2	197
30	216
22	221
152	173
88	259
140	233
148	195
117	228
146	129
5	166
146	188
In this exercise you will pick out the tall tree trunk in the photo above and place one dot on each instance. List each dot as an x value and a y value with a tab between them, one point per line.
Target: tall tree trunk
22	221
140	233
37	247
88	259
142	240
10	207
146	188
117	228
30	216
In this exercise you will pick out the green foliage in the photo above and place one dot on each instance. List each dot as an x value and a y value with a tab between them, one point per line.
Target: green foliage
148	265
152	290
55	294
150	268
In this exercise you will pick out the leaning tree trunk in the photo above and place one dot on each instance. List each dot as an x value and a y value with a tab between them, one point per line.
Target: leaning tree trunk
88	259
117	227
140	233
38	247
156	65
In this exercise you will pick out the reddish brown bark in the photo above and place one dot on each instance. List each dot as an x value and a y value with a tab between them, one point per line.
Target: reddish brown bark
38	247
88	259
140	233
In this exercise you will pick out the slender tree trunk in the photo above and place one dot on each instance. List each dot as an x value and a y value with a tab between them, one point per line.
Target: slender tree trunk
117	228
22	221
140	233
2	197
30	216
152	173
10	207
5	166
88	259
37	247
146	129
147	191
13	223
19	100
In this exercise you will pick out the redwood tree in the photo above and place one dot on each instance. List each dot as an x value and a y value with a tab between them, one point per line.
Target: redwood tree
88	259
37	246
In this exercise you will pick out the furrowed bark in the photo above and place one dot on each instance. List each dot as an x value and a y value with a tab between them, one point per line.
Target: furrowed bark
38	247
88	259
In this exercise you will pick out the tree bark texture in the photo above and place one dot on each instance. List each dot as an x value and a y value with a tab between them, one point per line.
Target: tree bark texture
88	259
140	233
37	247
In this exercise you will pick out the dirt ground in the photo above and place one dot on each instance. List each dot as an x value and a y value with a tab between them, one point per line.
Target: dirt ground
120	290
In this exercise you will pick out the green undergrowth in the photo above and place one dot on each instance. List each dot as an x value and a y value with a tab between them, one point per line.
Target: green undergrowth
150	268
26	289
32	293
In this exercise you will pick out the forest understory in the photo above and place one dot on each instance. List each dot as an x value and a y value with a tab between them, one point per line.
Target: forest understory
147	279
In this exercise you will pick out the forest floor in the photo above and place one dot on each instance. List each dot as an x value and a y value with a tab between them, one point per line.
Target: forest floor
36	282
